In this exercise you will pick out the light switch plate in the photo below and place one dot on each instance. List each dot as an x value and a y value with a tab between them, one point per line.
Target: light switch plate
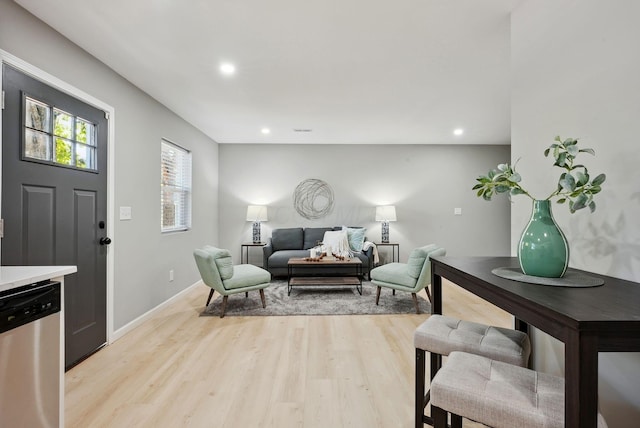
125	213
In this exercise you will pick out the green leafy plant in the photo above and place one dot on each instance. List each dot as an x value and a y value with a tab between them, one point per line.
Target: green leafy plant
575	185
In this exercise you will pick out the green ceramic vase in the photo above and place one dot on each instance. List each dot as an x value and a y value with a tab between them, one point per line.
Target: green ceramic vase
543	249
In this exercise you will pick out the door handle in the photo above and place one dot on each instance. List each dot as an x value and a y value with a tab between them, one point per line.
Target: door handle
105	241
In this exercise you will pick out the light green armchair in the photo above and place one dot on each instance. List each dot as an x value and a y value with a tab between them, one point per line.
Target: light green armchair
412	276
218	272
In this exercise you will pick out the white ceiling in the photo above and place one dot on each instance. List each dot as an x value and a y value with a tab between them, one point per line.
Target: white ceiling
352	71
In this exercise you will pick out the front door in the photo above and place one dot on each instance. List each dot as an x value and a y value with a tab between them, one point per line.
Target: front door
54	187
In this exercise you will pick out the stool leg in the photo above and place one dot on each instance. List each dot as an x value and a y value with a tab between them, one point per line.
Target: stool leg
439	417
435	364
419	393
456	421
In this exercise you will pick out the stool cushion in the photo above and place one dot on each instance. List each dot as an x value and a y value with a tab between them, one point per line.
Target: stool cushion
498	394
442	335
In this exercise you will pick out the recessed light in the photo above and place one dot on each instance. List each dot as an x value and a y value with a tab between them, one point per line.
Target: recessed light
227	68
265	131
458	131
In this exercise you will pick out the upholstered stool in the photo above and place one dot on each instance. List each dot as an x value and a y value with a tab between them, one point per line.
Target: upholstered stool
440	335
497	394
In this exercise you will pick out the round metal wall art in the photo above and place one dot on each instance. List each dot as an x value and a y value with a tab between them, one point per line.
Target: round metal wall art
313	199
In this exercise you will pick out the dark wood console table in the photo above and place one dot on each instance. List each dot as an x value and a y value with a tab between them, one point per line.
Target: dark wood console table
586	320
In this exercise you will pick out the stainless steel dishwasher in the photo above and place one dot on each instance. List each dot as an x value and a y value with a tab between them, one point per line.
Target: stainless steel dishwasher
30	363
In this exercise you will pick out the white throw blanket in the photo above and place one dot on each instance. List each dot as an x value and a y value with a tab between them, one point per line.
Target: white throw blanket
369	244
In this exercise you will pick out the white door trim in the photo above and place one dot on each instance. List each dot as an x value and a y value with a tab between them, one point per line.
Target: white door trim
54	82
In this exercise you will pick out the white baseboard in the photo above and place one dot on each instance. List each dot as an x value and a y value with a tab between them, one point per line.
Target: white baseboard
146	316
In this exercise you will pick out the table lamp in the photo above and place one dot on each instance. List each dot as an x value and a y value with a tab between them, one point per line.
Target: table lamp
256	214
385	214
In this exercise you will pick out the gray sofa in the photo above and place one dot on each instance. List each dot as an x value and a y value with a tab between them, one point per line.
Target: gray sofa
296	242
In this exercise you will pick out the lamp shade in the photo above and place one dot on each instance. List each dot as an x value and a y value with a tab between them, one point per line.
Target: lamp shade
386	213
257	213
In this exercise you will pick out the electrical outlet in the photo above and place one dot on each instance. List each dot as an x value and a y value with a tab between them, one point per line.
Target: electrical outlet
457	211
171	275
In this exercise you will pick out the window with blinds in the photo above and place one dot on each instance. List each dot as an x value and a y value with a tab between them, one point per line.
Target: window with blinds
175	188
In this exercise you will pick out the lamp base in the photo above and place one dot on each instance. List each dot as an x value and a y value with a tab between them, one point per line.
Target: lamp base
385	232
256	232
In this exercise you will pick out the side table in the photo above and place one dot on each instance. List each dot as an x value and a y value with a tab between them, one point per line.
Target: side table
244	250
395	248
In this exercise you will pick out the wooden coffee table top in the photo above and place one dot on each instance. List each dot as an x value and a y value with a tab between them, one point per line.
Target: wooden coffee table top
300	261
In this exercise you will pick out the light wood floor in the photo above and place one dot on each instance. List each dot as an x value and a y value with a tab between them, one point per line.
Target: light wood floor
180	369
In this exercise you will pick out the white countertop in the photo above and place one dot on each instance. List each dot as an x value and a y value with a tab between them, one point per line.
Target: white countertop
17	276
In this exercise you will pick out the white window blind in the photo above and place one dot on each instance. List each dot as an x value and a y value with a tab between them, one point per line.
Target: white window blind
175	189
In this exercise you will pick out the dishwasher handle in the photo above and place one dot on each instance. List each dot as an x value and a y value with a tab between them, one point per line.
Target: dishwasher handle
28	304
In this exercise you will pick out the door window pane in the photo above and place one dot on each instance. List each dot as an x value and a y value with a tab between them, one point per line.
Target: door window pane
37	115
62	124
85	156
37	145
64	156
84	131
75	139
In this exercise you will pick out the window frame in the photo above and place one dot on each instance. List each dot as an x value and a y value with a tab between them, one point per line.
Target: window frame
180	172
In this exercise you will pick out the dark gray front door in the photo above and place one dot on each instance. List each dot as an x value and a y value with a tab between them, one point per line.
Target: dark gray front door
54	182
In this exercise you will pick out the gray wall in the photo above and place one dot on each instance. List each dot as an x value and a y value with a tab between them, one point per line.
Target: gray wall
575	73
142	255
424	182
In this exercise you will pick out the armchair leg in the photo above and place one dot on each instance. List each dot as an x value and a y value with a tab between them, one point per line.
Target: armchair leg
428	293
209	299
415	302
378	295
224	305
264	304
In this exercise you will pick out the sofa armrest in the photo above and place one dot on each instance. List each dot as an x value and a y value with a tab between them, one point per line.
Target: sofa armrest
369	254
267	250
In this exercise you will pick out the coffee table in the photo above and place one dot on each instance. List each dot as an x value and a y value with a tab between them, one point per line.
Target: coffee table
335	273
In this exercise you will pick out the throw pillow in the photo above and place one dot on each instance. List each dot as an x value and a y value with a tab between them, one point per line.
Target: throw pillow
355	236
415	262
225	267
338	242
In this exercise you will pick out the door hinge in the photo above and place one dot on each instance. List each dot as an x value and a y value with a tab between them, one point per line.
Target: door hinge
106	115
2	100
1	228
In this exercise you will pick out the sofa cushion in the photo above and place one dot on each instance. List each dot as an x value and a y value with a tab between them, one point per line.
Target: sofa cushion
287	239
312	235
281	258
355	236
